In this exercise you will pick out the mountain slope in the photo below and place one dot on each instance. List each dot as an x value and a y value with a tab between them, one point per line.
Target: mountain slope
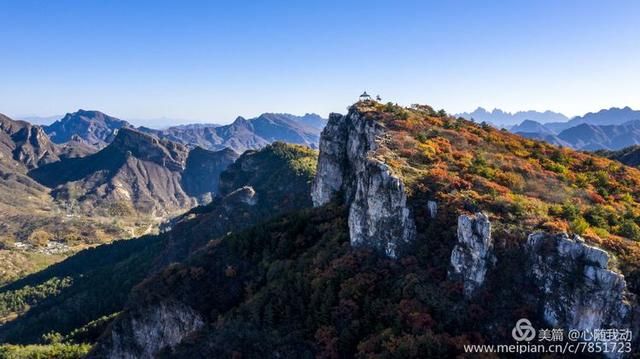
593	137
611	116
324	283
101	278
94	127
35	230
530	126
546	137
630	156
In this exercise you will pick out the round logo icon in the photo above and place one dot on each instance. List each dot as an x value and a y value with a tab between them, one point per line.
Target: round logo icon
523	331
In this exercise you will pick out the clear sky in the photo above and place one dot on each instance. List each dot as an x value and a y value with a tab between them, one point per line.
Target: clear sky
213	60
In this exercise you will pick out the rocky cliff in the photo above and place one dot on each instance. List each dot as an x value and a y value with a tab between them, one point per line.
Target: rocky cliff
148	332
473	254
24	143
578	290
378	213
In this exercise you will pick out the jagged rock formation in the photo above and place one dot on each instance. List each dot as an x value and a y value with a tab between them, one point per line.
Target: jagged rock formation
25	144
473	254
578	289
150	331
378	213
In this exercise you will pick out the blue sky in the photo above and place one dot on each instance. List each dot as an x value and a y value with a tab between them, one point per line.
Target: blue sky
213	60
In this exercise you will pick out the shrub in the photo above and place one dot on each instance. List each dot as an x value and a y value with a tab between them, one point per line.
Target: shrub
579	225
629	229
570	211
39	237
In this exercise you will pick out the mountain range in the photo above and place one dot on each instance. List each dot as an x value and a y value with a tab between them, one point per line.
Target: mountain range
611	129
244	134
137	171
96	129
500	118
89	178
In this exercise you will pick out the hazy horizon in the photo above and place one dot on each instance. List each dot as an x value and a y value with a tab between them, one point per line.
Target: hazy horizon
163	122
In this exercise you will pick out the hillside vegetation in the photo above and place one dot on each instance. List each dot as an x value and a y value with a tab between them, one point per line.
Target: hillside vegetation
96	282
295	287
523	184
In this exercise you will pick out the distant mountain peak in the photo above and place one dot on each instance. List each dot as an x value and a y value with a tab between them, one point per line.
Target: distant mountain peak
95	127
240	119
500	117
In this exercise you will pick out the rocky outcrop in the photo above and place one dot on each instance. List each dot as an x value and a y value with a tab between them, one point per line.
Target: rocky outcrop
578	290
473	254
26	144
378	213
246	195
146	333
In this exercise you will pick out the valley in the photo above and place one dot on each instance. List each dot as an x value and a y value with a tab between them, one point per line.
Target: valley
99	179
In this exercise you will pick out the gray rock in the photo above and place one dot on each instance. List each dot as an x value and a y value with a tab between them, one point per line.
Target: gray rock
330	173
432	207
578	289
149	331
245	194
378	213
473	254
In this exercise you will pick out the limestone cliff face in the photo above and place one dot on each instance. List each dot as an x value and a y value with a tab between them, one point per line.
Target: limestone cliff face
149	331
579	291
378	213
473	254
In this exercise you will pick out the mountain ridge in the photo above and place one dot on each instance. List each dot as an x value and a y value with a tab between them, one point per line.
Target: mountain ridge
139	171
499	117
